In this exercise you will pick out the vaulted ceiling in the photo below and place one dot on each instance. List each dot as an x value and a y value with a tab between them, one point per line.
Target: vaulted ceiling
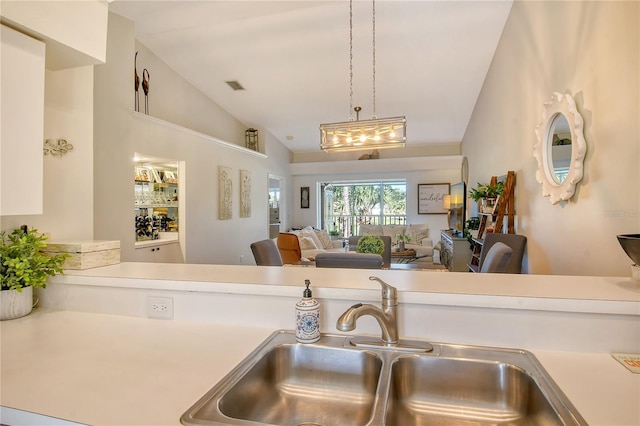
292	58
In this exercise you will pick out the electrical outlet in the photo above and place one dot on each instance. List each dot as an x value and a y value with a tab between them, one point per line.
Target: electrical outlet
160	307
241	258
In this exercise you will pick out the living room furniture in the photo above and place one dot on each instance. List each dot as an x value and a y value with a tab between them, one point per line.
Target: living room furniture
456	253
496	259
420	239
386	254
516	242
494	221
349	260
289	248
266	253
313	241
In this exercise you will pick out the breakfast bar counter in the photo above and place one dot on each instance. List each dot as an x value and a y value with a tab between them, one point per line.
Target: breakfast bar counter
90	354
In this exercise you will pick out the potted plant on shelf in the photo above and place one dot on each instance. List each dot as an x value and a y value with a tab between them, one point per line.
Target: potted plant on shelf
487	194
370	244
23	267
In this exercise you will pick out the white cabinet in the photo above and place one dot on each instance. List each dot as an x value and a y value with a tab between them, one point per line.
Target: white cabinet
75	31
455	253
158	252
22	118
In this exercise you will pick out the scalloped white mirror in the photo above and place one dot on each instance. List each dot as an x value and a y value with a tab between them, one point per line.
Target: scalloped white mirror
560	149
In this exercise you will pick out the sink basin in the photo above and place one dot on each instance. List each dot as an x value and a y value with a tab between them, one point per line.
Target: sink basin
295	384
333	382
449	391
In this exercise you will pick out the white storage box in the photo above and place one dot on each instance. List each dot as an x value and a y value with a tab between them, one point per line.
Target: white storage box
86	254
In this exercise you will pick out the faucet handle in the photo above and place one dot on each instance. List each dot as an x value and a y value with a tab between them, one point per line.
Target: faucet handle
389	292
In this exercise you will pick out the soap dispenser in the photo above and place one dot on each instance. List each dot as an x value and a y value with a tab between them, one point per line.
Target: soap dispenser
307	317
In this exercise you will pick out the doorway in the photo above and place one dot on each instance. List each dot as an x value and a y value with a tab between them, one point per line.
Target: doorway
274	205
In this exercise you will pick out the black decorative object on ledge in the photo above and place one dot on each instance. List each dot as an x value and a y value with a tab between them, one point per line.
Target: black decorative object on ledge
251	139
145	88
136	83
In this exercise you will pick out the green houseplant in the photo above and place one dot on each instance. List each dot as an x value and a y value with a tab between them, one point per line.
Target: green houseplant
370	244
23	267
487	195
402	240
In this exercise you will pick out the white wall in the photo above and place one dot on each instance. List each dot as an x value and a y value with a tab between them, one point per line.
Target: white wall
118	134
590	49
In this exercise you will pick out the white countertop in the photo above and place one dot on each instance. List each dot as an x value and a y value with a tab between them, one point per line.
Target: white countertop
115	370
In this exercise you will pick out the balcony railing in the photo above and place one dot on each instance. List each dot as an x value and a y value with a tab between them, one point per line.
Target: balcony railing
350	225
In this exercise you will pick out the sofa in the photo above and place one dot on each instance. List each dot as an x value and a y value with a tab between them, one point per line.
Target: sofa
314	241
420	240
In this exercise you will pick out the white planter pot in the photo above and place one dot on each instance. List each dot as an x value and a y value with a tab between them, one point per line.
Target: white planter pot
487	205
14	304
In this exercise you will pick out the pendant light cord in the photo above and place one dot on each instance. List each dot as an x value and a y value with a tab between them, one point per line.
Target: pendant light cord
374	59
374	117
350	60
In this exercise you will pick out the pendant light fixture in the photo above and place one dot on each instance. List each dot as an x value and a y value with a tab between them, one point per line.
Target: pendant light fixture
353	135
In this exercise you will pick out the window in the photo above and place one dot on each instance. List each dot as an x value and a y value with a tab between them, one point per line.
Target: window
345	205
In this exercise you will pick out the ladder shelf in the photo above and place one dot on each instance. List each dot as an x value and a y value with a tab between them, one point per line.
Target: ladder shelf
495	221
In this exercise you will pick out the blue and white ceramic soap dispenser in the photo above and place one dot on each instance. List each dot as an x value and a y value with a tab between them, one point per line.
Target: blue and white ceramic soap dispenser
307	317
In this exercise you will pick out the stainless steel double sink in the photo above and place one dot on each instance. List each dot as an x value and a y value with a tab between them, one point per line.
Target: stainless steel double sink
333	382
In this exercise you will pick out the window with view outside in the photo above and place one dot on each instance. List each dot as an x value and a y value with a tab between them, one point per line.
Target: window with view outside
345	205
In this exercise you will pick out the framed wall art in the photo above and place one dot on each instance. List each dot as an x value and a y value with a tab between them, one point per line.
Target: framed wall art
245	193
225	202
431	198
304	197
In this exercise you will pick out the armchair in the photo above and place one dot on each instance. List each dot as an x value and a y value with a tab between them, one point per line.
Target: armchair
289	248
265	253
516	242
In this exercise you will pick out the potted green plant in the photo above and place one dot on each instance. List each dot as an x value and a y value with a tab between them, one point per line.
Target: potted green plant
487	194
23	267
402	240
370	244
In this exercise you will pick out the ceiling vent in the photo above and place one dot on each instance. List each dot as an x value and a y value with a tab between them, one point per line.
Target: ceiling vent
235	85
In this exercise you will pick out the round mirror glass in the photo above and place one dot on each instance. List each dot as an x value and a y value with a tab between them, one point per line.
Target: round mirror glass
560	146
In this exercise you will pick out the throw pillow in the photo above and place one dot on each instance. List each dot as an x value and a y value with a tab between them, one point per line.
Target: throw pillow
306	243
367	229
324	238
310	232
418	233
392	231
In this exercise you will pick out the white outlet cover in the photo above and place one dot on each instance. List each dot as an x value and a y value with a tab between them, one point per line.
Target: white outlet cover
160	307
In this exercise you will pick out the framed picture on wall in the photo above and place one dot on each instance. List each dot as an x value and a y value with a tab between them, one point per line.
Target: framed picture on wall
431	198
304	197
